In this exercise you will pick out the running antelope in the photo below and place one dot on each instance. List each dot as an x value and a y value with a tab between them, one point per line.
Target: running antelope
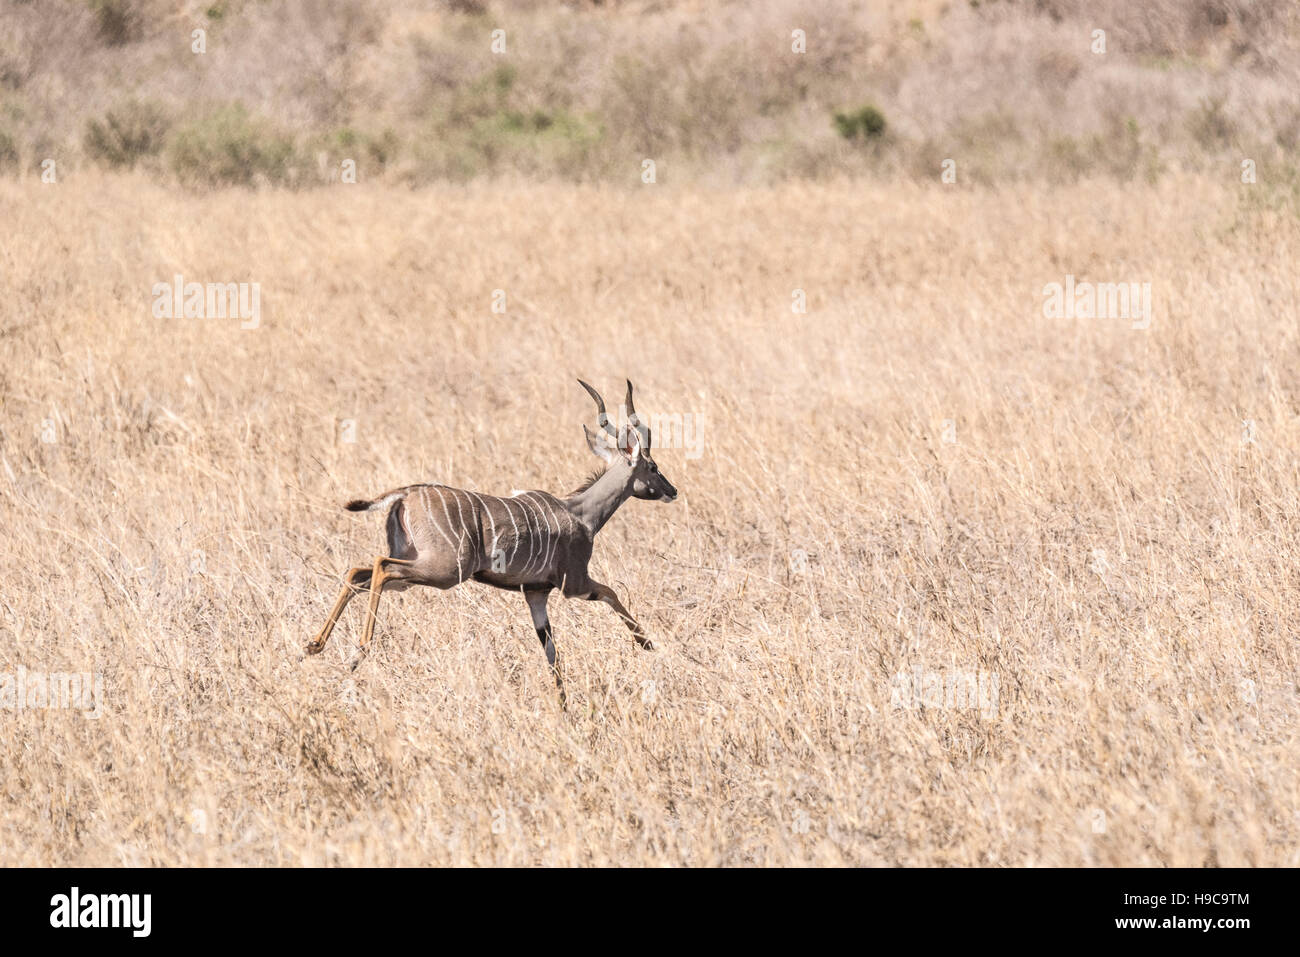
532	542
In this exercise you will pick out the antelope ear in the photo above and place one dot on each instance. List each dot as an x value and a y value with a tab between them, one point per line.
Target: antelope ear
629	443
598	445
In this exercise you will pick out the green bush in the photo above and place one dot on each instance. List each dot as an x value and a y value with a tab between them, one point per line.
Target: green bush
867	122
127	134
228	147
492	123
372	152
537	142
377	148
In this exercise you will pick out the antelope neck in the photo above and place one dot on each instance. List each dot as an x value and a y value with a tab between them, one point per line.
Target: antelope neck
595	506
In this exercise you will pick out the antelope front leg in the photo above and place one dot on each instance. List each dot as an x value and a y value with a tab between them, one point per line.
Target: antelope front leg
606	594
537	605
352	584
378	576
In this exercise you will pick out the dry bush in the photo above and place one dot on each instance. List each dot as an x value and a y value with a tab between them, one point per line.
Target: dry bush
1111	531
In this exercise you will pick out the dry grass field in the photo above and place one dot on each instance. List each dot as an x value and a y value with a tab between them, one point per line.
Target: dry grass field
921	475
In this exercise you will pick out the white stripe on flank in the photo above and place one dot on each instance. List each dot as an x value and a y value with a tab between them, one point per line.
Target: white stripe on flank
428	510
532	535
443	499
483	506
492	555
515	547
541	531
559	530
460	514
552	539
549	547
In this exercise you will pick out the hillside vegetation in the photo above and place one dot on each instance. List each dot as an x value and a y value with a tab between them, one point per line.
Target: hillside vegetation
412	92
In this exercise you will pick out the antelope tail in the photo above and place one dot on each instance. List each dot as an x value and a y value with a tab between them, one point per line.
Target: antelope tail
364	505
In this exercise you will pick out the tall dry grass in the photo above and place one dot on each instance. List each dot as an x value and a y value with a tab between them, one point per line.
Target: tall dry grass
1105	535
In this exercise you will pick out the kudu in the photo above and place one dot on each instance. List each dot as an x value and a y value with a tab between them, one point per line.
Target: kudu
532	542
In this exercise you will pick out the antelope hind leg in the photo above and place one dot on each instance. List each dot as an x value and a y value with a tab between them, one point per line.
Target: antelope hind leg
353	582
378	578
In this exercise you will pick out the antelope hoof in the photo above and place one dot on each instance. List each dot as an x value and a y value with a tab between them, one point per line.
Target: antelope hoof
315	647
646	644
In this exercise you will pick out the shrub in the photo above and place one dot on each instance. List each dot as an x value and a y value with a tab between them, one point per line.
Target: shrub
867	122
372	152
127	134
378	148
228	147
